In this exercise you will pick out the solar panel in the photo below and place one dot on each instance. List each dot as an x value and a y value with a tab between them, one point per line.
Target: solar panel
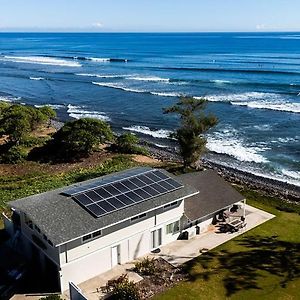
104	181
106	198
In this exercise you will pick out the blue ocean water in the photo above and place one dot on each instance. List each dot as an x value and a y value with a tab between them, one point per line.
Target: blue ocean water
251	80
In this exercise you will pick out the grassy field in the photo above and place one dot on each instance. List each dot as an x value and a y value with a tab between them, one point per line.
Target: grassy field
263	263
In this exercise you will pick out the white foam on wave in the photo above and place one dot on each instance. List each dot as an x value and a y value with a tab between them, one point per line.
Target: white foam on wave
118	87
227	142
134	90
159	133
98	59
263	127
291	174
41	60
284	106
101	75
9	98
54	106
219	81
257	100
166	94
149	78
78	112
242	97
36	78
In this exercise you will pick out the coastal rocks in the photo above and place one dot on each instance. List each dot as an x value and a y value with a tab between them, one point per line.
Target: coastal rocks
267	186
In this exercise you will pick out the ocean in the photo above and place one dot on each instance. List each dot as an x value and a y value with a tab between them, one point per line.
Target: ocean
251	82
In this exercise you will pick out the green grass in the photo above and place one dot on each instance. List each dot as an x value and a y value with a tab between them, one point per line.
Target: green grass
263	263
14	187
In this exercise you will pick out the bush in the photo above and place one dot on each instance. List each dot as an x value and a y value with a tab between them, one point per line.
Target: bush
128	143
123	289
31	141
14	155
147	266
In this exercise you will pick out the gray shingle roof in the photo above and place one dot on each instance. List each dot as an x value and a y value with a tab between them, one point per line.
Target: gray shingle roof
214	194
62	219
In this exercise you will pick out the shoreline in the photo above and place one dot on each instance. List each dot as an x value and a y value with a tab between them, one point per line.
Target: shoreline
268	186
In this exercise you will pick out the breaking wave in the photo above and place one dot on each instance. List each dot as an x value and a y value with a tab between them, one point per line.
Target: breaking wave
133	90
42	60
158	133
78	112
100	59
36	78
150	78
54	106
226	142
257	100
8	98
100	75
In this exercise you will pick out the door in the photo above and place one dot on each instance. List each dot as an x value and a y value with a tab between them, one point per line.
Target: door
156	239
115	256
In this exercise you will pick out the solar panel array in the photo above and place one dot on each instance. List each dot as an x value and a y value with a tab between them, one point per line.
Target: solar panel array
119	194
103	181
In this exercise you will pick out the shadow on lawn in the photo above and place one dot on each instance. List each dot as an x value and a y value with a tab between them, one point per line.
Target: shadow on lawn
247	269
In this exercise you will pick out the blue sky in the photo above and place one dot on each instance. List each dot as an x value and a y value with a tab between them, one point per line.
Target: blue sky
149	15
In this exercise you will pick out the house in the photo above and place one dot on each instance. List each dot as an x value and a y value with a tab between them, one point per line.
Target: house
78	232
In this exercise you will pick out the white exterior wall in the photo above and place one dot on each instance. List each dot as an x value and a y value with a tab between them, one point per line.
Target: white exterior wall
51	252
83	261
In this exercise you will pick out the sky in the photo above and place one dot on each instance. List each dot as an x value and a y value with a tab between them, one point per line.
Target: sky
149	15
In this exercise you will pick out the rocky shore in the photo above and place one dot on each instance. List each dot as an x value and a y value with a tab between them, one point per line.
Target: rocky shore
267	186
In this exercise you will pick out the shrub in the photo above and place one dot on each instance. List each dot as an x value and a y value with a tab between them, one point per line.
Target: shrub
128	143
147	266
31	141
14	155
123	289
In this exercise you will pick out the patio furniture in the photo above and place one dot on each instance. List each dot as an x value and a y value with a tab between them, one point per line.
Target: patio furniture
236	225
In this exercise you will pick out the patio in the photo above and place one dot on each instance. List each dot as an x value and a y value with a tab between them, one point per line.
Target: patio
181	251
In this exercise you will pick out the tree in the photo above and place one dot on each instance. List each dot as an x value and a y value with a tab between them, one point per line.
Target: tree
17	121
193	124
78	138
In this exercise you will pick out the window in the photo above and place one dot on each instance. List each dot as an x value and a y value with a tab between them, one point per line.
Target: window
139	217
172	228
91	236
97	233
86	237
170	205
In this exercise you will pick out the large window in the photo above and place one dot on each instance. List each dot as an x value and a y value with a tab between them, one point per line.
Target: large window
172	228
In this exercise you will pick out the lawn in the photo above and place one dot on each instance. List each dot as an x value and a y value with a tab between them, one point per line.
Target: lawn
263	263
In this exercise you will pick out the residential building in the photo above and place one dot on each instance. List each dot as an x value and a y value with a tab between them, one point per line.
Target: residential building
78	232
